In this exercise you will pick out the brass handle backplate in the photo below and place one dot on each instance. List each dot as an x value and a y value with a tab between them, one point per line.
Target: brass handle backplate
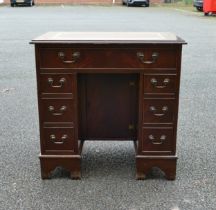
155	111
165	82
75	56
61	141
141	57
157	141
60	112
61	82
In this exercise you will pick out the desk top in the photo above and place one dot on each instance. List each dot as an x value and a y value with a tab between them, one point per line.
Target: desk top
109	37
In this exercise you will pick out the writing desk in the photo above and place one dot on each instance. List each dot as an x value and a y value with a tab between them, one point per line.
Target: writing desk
108	86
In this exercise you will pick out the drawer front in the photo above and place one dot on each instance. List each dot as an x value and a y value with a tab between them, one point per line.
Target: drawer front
58	139
107	58
157	140
57	110
159	110
57	83
157	83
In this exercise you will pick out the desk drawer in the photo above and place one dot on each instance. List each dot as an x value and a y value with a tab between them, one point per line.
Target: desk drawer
148	57
157	140
57	83
159	83
159	110
57	110
58	139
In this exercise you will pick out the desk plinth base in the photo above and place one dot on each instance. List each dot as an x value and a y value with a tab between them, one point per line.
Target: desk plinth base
69	162
167	164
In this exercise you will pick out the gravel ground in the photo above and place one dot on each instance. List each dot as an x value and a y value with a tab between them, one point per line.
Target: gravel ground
108	168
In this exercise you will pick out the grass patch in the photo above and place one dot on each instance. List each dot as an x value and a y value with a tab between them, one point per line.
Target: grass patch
186	5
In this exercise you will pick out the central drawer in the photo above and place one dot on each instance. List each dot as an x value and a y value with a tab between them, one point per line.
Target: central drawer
146	57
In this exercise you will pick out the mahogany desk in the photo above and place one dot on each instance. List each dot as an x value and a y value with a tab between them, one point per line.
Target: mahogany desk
108	86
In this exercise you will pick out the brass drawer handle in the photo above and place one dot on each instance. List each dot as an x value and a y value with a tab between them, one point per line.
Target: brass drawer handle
155	141
154	110
154	82
61	110
141	56
61	141
75	57
61	82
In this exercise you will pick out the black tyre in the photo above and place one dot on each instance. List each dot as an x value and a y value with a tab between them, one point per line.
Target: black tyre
30	3
12	4
206	13
200	9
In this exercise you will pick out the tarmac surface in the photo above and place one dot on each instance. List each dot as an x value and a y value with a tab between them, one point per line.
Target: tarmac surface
108	168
